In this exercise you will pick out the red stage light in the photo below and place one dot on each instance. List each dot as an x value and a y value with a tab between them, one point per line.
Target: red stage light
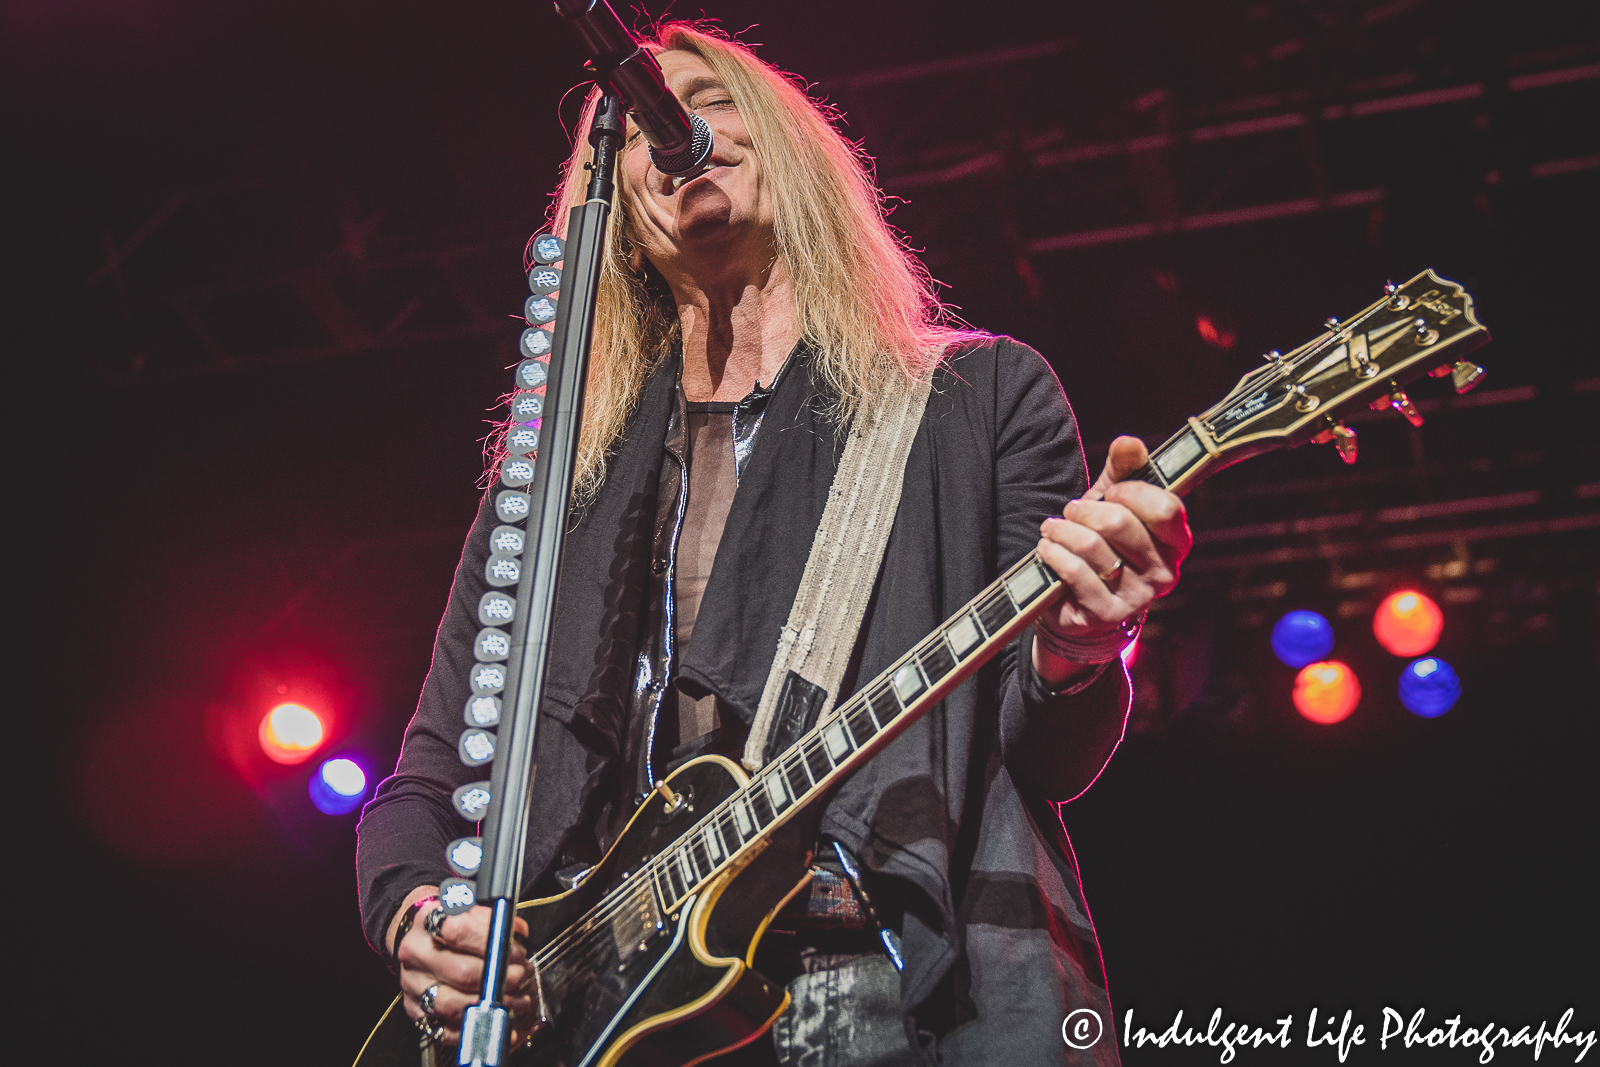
1212	334
290	733
1407	623
1326	692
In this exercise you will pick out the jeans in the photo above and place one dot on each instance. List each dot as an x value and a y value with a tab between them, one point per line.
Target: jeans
845	1016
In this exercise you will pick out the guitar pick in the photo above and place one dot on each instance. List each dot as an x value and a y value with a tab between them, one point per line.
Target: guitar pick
506	541
482	711
531	374
487	679
547	248
492	645
501	571
476	747
464	854
495	608
511	505
457	895
544	280
525	407
516	471
471	800
534	342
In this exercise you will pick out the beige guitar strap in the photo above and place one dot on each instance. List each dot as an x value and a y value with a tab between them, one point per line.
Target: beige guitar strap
816	642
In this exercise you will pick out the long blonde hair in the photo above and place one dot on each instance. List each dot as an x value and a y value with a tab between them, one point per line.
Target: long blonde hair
867	306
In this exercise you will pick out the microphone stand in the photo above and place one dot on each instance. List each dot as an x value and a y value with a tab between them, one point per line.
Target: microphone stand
486	1026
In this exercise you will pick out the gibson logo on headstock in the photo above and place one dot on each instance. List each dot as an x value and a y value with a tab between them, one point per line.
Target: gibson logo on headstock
1247	408
1434	301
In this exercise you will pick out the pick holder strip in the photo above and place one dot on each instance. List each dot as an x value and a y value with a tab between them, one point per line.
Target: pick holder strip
503	569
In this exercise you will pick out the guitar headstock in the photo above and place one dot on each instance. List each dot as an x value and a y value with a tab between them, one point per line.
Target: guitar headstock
1425	326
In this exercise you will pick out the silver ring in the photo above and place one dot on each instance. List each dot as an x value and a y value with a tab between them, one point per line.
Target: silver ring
433	922
432	1030
428	1000
1111	571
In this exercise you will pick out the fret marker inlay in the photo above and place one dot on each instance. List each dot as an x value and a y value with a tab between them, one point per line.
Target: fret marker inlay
963	636
908	683
1025	584
838	745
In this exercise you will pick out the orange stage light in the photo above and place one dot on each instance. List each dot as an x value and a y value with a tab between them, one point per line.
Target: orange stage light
1407	623
1326	692
290	733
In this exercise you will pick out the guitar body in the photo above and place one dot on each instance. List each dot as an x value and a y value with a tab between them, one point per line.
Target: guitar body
633	988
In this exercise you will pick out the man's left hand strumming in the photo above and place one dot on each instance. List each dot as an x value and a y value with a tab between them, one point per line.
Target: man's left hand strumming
1117	549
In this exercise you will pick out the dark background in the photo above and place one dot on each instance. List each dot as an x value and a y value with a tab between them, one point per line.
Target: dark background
257	262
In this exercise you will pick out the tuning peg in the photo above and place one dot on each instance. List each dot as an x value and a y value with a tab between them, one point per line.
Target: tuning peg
1397	302
1343	438
1273	357
1390	288
1331	323
1421	333
1404	406
1466	375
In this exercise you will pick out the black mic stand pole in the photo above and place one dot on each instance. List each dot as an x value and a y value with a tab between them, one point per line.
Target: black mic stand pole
486	1026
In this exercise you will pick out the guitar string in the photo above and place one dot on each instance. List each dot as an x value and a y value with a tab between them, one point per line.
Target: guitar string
606	909
626	896
1314	350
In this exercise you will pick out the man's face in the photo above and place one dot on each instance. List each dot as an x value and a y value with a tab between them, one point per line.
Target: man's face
718	210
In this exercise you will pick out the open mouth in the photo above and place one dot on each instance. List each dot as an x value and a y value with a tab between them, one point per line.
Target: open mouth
684	179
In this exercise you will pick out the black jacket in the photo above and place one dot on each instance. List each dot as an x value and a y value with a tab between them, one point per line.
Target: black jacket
959	809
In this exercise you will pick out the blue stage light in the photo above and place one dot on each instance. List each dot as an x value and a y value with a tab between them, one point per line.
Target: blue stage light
1429	687
1302	637
338	787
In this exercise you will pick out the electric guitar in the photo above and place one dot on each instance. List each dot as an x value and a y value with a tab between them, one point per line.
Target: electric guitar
650	958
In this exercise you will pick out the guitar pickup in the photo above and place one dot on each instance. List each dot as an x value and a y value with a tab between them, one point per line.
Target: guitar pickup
636	920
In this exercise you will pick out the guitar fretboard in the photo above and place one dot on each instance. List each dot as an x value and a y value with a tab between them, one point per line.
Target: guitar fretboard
850	734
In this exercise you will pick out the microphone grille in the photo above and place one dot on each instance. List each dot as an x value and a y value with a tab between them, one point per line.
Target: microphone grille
691	157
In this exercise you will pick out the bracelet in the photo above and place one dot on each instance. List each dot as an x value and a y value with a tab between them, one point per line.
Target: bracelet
404	928
1072	689
1100	650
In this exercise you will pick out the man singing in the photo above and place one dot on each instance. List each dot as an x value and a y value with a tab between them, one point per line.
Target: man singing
748	317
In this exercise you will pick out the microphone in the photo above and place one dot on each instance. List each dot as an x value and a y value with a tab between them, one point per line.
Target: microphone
680	143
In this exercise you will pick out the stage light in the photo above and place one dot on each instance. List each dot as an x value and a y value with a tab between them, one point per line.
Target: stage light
1302	637
290	733
338	787
1407	623
1214	335
1429	687
1326	692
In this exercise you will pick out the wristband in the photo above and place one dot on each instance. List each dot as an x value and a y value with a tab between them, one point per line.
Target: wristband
404	928
1099	650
